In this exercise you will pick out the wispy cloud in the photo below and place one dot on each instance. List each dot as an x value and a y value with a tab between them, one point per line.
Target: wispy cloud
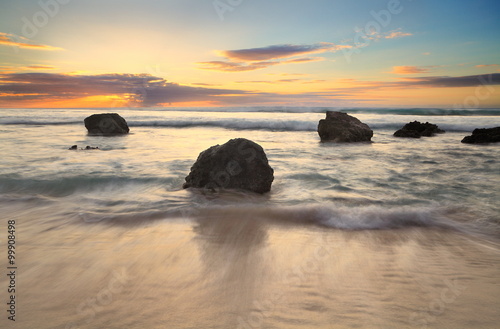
259	58
395	34
234	67
375	35
8	39
462	81
5	69
360	88
271	81
289	74
278	51
487	65
204	84
304	60
410	69
314	81
303	81
38	67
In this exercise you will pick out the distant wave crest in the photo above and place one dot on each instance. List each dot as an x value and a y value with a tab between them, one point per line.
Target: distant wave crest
246	124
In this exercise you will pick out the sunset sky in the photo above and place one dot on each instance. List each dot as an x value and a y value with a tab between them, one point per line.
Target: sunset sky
360	53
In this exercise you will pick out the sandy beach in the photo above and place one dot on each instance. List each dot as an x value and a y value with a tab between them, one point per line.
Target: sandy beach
224	272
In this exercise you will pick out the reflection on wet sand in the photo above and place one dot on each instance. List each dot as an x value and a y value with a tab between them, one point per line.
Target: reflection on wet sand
234	259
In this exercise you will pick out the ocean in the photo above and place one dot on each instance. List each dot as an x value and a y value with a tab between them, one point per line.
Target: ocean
396	233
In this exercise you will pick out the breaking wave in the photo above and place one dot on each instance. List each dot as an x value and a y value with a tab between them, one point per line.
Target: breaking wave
251	124
373	217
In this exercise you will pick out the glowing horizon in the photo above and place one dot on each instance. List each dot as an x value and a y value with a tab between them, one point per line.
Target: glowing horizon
63	53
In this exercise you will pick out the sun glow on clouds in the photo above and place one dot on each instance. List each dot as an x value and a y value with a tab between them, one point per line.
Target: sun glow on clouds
8	39
263	57
118	90
278	51
134	89
409	70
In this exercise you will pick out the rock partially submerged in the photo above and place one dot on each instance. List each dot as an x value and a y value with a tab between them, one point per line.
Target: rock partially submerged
483	135
106	124
75	147
417	129
237	164
341	127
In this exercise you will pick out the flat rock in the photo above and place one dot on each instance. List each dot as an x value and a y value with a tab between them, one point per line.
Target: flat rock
106	124
237	164
417	129
483	135
341	127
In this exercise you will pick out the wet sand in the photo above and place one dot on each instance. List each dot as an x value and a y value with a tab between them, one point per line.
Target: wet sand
222	272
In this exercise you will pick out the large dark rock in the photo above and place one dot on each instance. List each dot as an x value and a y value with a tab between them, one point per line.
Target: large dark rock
416	129
106	124
341	127
237	164
483	135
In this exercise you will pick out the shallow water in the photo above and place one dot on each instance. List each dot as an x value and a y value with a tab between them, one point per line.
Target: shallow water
396	233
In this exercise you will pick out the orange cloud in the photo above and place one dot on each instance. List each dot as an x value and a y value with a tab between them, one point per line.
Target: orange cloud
241	67
396	34
314	81
305	60
376	36
271	81
409	70
234	67
288	74
39	67
8	39
487	65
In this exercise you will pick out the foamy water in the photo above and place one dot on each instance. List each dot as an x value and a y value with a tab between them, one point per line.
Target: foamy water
397	233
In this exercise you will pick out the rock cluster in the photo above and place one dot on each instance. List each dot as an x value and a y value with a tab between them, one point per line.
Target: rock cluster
483	135
237	164
106	124
416	129
243	164
341	127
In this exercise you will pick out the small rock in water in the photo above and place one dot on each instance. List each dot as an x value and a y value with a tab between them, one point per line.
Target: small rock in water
237	164
341	127
75	147
416	129
483	135
106	124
